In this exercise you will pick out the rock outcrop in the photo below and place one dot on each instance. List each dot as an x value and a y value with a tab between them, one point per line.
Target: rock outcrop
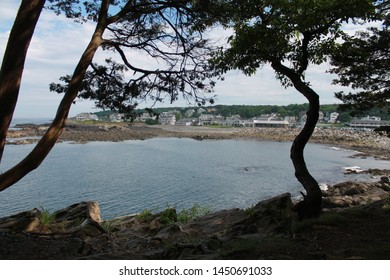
24	221
79	211
347	194
64	220
77	232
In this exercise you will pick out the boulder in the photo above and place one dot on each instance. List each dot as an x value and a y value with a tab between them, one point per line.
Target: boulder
215	224
273	214
347	194
385	180
79	211
385	183
24	221
354	190
169	232
337	202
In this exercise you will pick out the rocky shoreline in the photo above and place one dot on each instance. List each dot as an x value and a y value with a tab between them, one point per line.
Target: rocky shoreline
268	230
365	142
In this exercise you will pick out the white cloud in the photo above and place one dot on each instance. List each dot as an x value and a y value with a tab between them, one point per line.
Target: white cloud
351	28
55	49
8	10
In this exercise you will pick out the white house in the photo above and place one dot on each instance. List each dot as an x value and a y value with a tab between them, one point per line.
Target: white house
185	122
371	118
167	119
116	117
206	119
365	123
234	120
270	120
333	117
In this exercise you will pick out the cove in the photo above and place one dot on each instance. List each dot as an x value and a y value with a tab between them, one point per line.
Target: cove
130	176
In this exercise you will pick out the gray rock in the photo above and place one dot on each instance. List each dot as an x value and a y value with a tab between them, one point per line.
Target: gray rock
169	232
24	221
337	202
385	180
79	211
354	190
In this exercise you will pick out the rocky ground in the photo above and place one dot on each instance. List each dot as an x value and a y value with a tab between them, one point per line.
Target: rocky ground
355	223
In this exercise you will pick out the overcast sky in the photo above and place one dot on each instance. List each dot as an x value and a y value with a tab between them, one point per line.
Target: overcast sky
58	44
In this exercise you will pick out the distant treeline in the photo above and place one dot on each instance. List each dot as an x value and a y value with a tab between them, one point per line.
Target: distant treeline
250	111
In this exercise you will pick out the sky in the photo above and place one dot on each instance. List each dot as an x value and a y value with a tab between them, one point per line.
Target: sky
59	42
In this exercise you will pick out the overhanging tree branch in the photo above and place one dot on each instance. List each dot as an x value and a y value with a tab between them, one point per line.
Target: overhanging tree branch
48	140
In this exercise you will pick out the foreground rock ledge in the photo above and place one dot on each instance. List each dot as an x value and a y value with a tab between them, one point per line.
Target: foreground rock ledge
268	230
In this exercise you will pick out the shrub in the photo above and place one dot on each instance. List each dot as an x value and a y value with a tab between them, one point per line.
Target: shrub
46	218
187	215
145	216
168	216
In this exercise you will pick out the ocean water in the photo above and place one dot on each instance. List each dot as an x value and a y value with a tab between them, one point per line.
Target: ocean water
130	176
16	121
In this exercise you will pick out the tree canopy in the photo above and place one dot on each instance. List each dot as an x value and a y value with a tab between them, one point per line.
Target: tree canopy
162	29
289	35
362	61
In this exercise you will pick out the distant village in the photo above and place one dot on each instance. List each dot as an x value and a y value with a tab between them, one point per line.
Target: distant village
203	116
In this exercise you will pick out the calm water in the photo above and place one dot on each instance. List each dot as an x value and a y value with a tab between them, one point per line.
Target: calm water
130	176
30	120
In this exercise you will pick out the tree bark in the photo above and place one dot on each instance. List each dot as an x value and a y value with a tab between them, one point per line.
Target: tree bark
13	62
310	207
48	140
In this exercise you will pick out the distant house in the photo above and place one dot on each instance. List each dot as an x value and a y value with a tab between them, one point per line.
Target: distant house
145	116
86	117
209	119
205	119
116	117
367	123
270	120
185	122
321	116
167	118
219	120
292	120
371	118
270	123
333	117
234	120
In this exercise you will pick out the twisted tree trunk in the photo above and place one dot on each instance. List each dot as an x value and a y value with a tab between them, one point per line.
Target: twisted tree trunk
13	62
310	207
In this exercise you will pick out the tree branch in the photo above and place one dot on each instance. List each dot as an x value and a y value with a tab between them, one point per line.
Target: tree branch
13	62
